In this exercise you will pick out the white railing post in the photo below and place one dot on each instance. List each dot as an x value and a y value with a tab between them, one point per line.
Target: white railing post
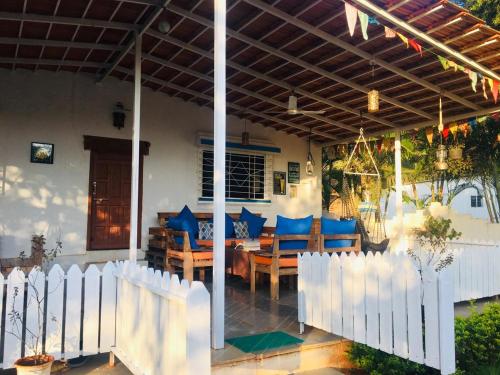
219	173
136	136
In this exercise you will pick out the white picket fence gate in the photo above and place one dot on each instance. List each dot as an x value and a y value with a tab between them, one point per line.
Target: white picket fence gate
155	324
163	326
380	301
476	269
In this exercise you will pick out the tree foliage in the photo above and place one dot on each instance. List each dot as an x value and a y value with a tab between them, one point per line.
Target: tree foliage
487	10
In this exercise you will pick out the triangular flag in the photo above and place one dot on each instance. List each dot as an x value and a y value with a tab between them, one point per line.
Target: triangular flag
482	119
453	129
363	20
352	17
494	90
404	39
389	33
461	68
453	65
464	128
373	21
446	131
483	81
473	79
444	62
429	133
417	47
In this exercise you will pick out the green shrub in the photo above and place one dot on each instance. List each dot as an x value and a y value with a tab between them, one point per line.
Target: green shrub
477	342
376	362
477	339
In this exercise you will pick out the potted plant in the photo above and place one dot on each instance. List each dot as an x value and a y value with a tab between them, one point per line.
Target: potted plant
37	362
455	152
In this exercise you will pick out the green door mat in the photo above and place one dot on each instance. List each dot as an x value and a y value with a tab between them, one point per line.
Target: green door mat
263	342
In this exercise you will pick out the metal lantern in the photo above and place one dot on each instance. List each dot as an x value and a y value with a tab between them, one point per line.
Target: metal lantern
373	101
310	159
245	136
441	155
119	116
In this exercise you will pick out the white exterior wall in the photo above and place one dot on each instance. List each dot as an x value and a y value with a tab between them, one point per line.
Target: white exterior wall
61	108
460	204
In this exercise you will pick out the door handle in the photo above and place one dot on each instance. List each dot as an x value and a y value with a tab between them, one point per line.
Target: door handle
100	200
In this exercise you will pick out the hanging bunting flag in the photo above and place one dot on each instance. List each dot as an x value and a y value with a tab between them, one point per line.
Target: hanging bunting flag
453	129
446	131
404	39
429	133
444	62
483	81
464	128
472	122
373	21
417	47
482	119
363	21
494	90
389	33
453	64
473	80
461	68
352	17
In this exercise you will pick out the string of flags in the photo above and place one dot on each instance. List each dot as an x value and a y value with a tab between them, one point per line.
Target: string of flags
353	15
386	143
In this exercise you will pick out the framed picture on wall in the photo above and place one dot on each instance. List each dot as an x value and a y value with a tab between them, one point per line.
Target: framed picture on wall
42	153
279	183
293	172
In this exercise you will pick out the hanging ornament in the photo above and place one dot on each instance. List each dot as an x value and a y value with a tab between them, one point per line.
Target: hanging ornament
441	155
310	160
429	133
373	95
245	136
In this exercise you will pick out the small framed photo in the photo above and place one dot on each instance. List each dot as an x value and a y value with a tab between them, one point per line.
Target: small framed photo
279	183
42	153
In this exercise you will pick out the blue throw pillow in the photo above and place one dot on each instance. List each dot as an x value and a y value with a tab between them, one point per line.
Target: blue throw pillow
332	226
285	225
180	224
187	215
255	223
229	226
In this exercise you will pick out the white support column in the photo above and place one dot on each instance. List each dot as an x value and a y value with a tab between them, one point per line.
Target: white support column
136	136
219	173
399	190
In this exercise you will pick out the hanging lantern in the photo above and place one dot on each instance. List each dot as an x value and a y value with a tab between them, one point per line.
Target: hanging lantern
310	160
245	136
441	155
373	101
373	95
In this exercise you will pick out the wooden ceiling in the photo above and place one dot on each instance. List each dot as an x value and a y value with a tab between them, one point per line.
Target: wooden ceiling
273	47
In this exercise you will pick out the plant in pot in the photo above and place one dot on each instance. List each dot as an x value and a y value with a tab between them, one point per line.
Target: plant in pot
34	361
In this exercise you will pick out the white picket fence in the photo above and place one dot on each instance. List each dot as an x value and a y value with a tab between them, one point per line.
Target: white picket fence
73	299
476	269
154	323
163	326
380	301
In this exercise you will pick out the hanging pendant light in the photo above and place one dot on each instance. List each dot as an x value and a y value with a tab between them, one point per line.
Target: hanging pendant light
245	136
373	95
310	159
441	153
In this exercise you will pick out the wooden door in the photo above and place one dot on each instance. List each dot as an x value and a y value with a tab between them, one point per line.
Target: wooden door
110	187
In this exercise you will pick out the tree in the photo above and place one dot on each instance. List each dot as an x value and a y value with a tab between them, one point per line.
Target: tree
487	10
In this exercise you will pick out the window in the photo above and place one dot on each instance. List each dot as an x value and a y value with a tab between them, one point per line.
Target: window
245	175
476	201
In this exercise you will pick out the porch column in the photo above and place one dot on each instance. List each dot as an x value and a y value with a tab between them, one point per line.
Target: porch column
399	188
219	173
136	135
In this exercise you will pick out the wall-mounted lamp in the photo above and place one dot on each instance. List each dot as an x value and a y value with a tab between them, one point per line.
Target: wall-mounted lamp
119	116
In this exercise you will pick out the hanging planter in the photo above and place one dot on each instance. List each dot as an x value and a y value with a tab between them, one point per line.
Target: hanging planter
455	152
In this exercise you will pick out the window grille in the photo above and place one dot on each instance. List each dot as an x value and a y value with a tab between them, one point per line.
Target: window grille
476	201
248	175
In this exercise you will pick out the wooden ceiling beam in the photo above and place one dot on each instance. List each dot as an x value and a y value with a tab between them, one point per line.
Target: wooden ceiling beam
357	51
273	51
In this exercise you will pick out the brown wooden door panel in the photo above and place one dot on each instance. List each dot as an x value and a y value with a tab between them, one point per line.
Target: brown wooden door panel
110	201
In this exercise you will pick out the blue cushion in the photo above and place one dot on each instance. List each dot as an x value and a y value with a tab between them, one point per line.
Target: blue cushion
181	224
255	223
187	215
331	226
229	226
285	226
